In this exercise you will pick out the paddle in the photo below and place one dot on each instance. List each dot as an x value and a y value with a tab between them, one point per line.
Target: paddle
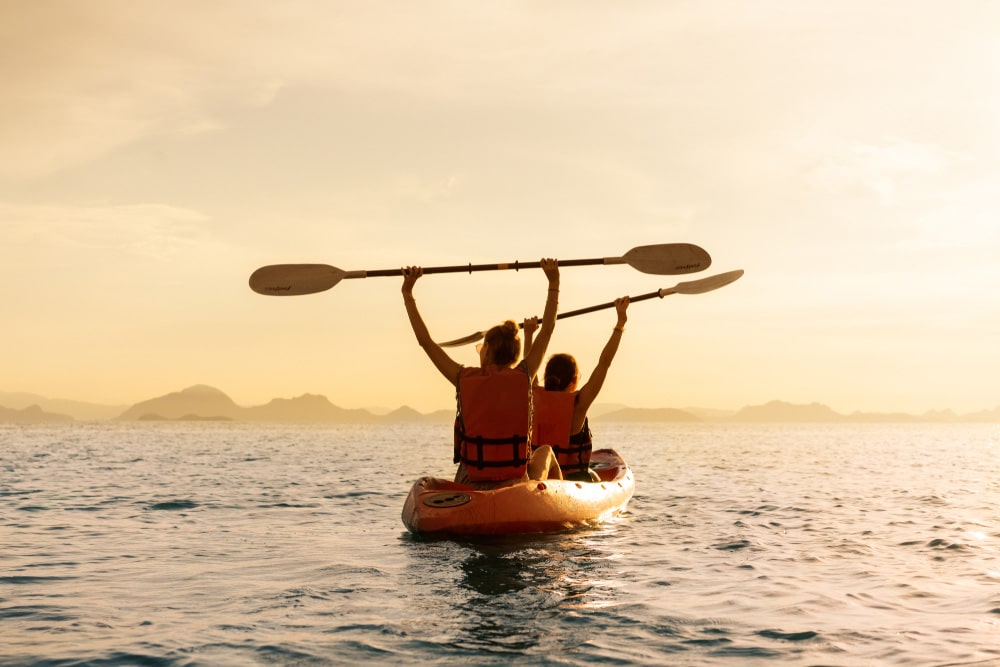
691	287
294	279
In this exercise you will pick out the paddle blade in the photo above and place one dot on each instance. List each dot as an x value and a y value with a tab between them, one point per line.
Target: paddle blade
707	284
464	340
668	259
294	279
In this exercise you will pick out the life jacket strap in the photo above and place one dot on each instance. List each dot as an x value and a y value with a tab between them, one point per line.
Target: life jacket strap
481	444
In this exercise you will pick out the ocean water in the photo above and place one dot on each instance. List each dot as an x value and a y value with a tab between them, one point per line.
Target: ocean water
221	544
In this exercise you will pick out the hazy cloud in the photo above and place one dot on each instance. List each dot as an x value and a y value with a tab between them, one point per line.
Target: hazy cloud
147	230
878	168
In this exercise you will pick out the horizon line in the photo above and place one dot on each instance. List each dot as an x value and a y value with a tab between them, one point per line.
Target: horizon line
602	408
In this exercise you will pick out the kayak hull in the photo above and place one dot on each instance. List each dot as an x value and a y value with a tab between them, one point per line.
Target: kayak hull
440	507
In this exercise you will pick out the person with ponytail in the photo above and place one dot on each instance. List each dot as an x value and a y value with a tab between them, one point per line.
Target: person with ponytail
560	414
494	400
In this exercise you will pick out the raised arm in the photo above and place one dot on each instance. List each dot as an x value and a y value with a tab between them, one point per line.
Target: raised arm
534	356
529	326
448	366
590	390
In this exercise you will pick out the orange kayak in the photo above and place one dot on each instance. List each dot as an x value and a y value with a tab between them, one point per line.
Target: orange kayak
439	507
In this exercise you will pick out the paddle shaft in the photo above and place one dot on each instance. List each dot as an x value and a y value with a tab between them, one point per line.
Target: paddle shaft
611	304
581	311
469	268
691	287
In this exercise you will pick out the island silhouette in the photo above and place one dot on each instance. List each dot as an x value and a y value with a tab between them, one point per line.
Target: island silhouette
204	403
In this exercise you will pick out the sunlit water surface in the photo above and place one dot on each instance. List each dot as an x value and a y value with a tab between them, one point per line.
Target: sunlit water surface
208	544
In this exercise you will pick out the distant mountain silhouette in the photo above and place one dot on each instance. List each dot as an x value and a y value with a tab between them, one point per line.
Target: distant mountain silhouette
406	414
649	415
205	403
308	408
199	400
779	411
889	417
208	403
601	409
31	415
984	416
150	417
76	409
710	414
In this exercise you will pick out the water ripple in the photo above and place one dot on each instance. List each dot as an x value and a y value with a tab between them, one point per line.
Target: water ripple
745	545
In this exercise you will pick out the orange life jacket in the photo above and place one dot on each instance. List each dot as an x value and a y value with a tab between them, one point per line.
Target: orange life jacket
493	422
553	420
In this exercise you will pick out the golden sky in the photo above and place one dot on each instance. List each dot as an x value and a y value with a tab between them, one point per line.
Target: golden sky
844	154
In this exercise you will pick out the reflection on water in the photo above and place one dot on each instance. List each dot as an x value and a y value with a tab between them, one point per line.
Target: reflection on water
513	590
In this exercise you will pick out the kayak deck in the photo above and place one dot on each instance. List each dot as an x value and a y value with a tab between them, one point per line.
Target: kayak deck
439	507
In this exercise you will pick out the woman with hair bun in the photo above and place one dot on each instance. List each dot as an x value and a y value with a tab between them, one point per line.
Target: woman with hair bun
494	400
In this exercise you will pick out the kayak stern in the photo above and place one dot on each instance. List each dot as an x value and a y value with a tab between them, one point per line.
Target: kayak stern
439	507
